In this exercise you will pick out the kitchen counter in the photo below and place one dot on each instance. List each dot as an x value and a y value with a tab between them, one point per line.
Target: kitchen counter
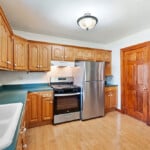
18	93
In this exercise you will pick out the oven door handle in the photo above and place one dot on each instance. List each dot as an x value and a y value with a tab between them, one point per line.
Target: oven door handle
68	94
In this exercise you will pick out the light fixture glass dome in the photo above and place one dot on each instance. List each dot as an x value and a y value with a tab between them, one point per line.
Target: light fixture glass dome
87	21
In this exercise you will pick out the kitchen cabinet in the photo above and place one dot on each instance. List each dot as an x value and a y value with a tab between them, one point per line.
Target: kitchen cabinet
100	55
85	54
69	54
6	49
63	53
20	54
40	108
21	142
39	56
57	52
111	94
47	105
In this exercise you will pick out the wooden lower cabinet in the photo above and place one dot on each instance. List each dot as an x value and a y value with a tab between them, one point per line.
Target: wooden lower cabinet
40	108
111	98
21	142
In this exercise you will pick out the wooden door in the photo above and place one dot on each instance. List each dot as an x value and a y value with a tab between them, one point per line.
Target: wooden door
57	52
34	109
3	44
34	57
44	61
136	93
20	54
69	54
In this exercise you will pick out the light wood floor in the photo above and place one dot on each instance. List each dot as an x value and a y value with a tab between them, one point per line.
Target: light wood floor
115	131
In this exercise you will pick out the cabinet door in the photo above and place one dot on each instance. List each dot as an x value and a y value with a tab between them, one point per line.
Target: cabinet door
3	44
108	56
47	108
89	55
10	53
108	69
100	55
34	57
20	54
113	98
44	61
47	105
79	55
69	54
107	101
34	109
57	52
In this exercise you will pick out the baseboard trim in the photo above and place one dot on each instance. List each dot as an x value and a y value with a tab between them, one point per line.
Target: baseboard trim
119	110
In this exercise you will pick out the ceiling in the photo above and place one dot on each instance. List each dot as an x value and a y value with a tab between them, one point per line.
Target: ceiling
117	18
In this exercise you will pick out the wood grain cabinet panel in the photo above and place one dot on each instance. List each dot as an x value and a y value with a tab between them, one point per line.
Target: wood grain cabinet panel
107	56
40	108
100	55
3	44
39	56
47	105
20	54
57	52
111	99
85	54
69	54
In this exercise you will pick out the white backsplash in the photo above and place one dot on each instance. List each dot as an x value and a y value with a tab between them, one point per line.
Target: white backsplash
16	77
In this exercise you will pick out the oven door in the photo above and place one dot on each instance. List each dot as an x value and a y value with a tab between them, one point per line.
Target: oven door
66	103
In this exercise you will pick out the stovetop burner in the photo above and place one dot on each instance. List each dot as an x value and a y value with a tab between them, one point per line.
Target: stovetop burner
64	85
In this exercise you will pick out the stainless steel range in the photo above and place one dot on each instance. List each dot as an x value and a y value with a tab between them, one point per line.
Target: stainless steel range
67	99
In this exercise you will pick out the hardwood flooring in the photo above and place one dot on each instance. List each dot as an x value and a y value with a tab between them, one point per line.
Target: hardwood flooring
115	131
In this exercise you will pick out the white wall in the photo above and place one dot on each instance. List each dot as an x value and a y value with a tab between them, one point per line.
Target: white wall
53	39
116	46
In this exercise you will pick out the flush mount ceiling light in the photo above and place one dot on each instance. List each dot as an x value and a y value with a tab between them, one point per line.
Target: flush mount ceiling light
87	21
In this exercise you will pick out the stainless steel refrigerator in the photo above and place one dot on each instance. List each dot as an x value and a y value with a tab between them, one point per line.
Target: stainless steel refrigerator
91	79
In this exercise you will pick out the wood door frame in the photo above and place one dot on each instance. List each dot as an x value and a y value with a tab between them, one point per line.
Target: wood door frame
122	59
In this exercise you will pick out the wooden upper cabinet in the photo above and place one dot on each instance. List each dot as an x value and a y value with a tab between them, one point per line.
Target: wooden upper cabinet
20	54
85	54
3	44
44	59
33	57
57	52
39	56
89	55
100	55
107	56
79	54
69	54
10	52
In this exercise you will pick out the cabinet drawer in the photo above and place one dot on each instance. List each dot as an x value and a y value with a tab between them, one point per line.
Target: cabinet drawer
48	94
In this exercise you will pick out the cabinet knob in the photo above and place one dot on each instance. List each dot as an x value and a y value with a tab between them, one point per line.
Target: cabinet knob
23	130
24	146
15	64
144	88
8	62
37	66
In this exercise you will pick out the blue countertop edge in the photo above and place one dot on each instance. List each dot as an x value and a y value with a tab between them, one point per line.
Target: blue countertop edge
18	93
